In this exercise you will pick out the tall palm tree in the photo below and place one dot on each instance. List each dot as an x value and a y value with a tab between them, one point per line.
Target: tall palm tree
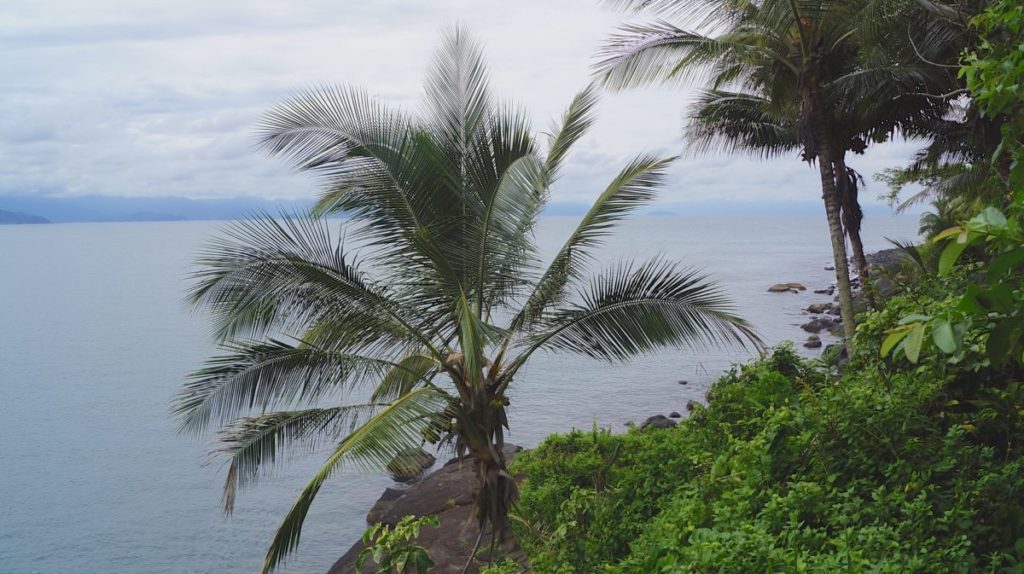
779	59
723	120
421	340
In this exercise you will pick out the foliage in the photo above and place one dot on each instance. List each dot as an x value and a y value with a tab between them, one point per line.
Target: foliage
991	307
394	549
994	303
420	338
790	469
994	72
504	567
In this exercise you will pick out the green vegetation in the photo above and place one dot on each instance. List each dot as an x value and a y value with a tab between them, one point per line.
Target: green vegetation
394	549
790	468
450	300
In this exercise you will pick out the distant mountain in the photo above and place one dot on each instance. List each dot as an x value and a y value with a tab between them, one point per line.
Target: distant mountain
110	208
14	217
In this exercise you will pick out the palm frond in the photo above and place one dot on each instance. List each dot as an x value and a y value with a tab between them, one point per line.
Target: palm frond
740	122
273	276
266	375
632	309
643	54
458	98
575	122
255	444
413	369
391	432
635	186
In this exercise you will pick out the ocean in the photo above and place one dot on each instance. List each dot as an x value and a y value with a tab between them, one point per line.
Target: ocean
95	339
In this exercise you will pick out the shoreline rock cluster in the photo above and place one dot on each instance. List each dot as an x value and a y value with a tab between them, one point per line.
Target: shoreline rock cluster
826	316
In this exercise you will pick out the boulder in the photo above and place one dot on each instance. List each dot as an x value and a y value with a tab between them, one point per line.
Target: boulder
690	405
674	415
683	382
657	422
813	342
818	324
786	287
448	494
830	268
819	308
383	504
826	291
409	465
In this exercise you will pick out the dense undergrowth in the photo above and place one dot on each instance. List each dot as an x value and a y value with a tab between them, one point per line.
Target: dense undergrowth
793	467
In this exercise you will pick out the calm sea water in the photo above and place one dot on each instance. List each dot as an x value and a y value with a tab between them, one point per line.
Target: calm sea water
95	340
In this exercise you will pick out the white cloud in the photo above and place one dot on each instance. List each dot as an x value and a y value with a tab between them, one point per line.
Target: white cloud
127	97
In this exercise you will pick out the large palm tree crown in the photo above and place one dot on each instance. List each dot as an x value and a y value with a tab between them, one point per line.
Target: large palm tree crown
420	339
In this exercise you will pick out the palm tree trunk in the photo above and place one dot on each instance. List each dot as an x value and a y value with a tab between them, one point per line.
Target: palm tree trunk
832	211
852	217
497	489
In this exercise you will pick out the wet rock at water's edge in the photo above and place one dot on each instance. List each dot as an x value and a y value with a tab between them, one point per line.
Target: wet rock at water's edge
818	324
657	422
409	465
819	308
813	342
786	287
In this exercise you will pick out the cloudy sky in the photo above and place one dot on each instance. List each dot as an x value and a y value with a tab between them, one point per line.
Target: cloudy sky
159	98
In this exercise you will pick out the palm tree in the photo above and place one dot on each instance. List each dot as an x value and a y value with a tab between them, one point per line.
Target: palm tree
448	301
773	63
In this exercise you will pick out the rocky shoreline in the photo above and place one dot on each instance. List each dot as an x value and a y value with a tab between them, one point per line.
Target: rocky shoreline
448	491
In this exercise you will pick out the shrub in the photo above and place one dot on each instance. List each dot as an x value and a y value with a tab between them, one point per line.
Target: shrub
788	469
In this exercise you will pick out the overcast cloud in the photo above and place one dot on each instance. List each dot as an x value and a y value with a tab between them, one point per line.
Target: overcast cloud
145	98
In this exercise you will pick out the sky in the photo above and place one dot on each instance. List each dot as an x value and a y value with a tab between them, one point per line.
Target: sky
161	98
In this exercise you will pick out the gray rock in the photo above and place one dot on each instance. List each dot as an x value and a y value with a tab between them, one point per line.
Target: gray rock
813	342
826	291
674	415
383	504
786	287
683	382
819	308
408	466
818	324
690	405
657	422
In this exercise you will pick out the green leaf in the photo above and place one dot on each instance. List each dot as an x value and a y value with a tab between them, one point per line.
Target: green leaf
914	318
950	254
912	346
955	230
1004	262
892	340
1003	338
942	334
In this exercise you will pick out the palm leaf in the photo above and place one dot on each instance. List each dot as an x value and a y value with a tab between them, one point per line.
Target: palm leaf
635	186
391	432
632	309
263	376
255	444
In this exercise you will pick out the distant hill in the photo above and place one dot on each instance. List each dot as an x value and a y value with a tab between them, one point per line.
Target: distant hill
97	208
14	217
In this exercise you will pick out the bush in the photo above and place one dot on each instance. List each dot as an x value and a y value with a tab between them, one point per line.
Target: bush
788	469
